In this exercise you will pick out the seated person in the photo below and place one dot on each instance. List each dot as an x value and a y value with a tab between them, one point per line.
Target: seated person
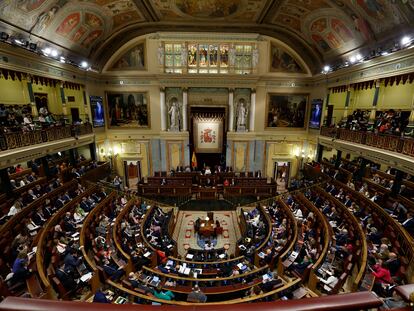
19	269
100	297
196	295
114	272
161	294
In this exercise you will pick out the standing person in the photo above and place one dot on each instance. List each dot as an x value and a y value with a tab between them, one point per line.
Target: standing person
117	182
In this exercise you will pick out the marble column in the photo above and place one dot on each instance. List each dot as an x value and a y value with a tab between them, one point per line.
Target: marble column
185	103
162	110
231	110
252	110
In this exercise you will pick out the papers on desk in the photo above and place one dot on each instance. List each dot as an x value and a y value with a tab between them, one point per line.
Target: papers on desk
120	300
155	281
261	255
242	247
76	234
189	256
266	277
222	256
184	270
240	265
32	227
169	246
293	256
86	277
169	263
147	254
61	248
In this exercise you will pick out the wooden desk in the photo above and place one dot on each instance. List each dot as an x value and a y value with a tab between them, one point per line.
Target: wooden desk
207	193
206	228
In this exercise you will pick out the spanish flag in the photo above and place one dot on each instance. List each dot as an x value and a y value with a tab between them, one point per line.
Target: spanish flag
193	160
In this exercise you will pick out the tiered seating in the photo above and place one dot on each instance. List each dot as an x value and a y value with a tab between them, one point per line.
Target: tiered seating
18	231
351	255
61	235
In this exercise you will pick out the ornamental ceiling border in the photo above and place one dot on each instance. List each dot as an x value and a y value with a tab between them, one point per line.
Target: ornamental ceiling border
206	36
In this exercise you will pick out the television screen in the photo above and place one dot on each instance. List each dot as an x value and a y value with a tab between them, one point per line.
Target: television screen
316	114
97	108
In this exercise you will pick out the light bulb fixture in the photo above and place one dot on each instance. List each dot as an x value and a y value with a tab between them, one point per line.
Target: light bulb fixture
62	59
326	69
405	41
352	59
84	64
54	53
358	57
47	51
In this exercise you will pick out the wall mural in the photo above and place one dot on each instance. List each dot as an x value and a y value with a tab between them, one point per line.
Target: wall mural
66	22
282	61
81	25
134	59
127	110
286	110
248	10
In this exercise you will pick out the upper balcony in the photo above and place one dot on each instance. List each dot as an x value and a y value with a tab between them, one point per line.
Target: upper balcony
17	147
394	150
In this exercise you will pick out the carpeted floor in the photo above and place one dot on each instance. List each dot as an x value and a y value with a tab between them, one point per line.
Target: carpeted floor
185	236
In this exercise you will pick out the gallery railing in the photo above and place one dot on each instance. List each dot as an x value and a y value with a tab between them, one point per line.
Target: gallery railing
381	141
22	139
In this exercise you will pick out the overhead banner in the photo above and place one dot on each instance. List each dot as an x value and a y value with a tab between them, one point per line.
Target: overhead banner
208	134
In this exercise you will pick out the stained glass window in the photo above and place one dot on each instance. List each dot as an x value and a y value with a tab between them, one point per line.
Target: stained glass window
173	58
211	58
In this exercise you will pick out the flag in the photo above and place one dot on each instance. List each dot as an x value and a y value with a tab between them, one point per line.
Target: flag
193	160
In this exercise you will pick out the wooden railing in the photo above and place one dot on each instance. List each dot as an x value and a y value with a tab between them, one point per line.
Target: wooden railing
22	139
381	141
353	301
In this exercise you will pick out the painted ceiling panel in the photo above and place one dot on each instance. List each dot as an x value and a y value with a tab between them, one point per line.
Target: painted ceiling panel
326	28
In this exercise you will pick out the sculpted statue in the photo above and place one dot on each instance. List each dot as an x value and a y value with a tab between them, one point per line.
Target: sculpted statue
242	116
174	113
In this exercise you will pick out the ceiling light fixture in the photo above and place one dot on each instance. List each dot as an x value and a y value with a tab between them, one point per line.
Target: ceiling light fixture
54	53
47	51
405	41
84	64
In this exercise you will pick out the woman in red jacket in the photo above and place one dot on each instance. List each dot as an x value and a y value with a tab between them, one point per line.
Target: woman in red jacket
382	279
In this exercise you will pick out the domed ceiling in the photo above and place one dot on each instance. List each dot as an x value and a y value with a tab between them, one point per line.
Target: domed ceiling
319	30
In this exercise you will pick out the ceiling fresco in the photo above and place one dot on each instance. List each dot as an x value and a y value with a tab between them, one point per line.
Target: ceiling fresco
318	30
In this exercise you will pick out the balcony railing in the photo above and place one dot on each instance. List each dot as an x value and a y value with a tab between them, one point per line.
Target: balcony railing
20	139
381	141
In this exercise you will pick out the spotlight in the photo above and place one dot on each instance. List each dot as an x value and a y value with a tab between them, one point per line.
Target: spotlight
33	46
326	68
19	41
47	51
62	59
4	36
84	64
405	41
54	53
352	59
358	57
